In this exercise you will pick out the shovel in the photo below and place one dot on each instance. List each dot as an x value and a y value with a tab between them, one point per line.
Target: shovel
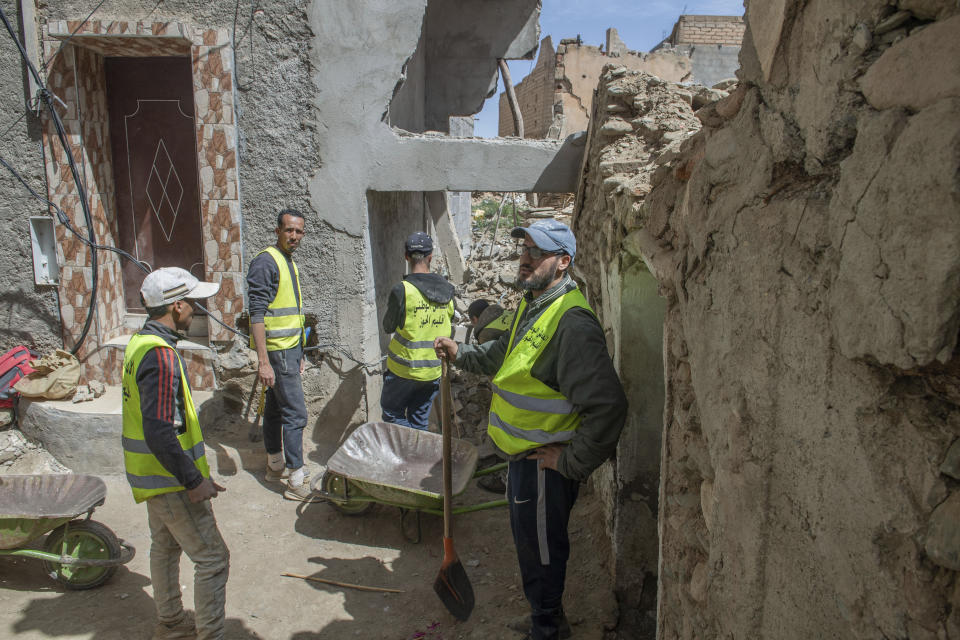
254	434
452	584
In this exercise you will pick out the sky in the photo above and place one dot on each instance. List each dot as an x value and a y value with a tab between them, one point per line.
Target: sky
641	24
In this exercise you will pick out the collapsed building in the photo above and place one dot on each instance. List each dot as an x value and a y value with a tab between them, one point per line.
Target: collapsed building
556	98
775	265
778	272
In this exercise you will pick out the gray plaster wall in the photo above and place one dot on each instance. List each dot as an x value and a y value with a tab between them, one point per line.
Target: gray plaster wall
464	41
29	314
318	86
712	62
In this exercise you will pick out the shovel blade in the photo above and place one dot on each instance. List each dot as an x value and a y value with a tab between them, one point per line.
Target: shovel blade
454	589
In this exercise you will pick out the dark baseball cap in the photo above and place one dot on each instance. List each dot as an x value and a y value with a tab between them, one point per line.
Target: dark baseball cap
549	235
419	242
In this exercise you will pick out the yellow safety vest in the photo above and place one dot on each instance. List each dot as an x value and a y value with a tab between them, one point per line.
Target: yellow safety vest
283	322
503	322
410	353
524	412
147	477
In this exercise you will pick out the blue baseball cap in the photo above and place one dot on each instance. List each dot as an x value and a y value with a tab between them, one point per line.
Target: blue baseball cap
549	235
419	242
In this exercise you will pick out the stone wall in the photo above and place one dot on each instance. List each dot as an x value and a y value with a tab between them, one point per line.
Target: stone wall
805	242
535	95
557	95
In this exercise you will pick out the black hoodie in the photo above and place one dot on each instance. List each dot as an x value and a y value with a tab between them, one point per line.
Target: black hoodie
434	288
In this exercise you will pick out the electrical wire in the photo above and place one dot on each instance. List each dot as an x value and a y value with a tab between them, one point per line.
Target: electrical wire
65	220
236	43
46	98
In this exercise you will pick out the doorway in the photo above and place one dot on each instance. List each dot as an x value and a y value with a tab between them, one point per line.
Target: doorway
154	144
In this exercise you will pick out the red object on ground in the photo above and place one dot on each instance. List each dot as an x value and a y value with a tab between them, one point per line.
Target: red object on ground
14	364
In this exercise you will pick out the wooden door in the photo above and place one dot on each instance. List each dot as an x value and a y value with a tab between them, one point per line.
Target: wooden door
154	142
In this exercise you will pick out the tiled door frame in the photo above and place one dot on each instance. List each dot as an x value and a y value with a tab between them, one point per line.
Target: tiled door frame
77	80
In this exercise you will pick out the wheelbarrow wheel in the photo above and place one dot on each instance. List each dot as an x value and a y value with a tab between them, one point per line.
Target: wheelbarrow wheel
85	539
332	484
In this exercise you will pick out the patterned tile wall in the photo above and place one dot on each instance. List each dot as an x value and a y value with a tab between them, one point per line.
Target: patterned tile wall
76	77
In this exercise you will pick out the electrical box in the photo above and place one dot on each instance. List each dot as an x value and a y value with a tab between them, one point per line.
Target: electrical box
44	241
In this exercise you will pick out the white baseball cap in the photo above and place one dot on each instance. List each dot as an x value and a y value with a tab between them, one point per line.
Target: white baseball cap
169	284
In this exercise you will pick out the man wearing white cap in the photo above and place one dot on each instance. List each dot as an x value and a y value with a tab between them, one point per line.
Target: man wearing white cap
166	465
556	414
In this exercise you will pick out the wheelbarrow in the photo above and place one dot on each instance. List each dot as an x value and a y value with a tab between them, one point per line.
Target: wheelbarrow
79	553
389	464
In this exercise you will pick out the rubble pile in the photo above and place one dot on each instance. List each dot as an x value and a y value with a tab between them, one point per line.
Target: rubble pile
21	456
805	244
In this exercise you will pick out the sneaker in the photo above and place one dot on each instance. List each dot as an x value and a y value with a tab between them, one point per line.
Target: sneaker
276	475
301	492
183	630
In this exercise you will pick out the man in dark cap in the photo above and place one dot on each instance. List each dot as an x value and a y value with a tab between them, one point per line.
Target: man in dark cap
557	412
419	310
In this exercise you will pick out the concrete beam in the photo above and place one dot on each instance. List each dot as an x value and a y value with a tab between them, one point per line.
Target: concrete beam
447	236
434	163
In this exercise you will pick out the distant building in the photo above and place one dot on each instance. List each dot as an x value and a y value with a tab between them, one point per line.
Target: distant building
557	96
711	42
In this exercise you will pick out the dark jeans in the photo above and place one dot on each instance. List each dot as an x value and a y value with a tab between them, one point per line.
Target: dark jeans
407	402
285	409
540	504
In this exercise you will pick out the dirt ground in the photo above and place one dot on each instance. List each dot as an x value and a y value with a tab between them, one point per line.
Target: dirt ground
268	536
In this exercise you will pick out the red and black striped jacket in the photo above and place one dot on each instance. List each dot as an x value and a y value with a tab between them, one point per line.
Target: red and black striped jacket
161	404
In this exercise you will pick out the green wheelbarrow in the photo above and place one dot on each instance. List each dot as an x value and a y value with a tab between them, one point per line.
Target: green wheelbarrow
385	463
79	553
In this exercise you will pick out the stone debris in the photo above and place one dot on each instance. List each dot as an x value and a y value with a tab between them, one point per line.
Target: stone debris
21	456
800	225
82	394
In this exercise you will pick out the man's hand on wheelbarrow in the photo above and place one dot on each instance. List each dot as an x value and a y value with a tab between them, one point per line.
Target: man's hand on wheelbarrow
445	348
548	455
204	491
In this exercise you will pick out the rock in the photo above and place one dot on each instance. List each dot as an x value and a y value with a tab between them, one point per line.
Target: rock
893	81
862	39
891	23
951	464
616	127
725	85
928	10
234	362
82	394
704	96
97	387
20	456
943	534
729	106
7	417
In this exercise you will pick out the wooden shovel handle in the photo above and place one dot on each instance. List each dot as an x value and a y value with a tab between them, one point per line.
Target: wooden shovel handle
446	406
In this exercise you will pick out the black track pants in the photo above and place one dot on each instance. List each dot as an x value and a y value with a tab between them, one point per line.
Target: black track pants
540	504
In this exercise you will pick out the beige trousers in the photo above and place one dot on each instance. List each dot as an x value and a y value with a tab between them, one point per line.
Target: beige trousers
176	525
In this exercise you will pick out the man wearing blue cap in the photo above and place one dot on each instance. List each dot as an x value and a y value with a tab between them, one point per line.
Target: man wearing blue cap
557	412
419	309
